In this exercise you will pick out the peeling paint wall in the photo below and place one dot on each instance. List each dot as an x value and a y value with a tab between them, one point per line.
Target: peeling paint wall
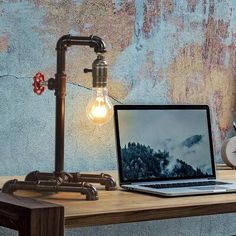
159	52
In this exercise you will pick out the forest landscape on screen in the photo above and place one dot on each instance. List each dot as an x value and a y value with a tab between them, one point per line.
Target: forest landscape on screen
157	144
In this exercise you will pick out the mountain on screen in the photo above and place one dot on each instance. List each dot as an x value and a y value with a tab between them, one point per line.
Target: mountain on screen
142	162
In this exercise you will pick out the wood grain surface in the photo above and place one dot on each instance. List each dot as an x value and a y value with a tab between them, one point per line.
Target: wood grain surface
31	217
121	206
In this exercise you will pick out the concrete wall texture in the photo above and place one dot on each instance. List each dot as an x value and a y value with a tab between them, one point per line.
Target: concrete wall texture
159	52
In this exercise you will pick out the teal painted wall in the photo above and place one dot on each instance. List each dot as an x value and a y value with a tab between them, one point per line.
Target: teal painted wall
159	52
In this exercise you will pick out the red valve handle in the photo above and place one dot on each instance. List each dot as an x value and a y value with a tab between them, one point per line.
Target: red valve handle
39	78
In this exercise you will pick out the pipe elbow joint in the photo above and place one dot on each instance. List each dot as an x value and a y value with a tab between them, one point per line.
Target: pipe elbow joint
62	42
99	44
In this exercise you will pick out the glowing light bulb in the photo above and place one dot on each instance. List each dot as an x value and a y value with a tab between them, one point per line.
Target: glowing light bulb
99	110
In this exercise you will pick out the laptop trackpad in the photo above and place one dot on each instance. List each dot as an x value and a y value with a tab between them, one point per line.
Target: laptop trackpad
213	188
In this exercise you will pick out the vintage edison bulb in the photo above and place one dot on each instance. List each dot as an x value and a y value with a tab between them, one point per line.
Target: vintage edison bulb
99	110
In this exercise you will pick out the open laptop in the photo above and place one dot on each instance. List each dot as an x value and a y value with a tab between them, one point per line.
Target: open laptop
166	150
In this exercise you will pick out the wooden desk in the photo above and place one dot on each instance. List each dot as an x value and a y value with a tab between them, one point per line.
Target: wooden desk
122	207
31	217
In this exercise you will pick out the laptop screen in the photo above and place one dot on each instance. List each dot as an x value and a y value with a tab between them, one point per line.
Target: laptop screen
163	142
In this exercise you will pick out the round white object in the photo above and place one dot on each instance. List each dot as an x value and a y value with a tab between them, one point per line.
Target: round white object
228	152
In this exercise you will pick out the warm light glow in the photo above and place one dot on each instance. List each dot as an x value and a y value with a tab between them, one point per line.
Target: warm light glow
99	109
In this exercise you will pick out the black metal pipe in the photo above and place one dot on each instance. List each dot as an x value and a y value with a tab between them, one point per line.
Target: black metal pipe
60	88
50	186
92	41
60	180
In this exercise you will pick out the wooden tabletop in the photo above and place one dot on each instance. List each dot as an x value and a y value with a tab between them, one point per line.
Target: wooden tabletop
122	206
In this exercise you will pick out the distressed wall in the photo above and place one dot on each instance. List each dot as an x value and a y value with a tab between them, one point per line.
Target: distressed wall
159	51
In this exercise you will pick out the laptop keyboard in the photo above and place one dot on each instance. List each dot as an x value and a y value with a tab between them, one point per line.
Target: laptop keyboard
188	184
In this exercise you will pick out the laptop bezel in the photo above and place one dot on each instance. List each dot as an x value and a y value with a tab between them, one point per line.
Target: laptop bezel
161	107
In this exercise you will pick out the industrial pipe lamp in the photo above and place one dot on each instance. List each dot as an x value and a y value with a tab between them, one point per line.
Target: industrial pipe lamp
99	111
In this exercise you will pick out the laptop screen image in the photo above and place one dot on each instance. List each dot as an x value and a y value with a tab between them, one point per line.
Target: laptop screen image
163	142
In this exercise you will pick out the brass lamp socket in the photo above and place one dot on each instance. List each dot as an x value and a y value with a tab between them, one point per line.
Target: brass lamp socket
99	72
